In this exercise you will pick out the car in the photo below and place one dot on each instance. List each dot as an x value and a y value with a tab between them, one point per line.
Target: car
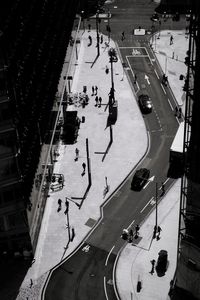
162	263
140	178
155	17
145	103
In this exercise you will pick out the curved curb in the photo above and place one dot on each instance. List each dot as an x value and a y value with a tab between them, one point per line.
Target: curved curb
124	245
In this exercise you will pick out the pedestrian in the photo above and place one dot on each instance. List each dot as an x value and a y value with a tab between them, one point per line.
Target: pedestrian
89	27
67	207
159	231
84	166
100	100
59	202
171	40
137	228
176	111
154	231
123	36
96	100
77	154
130	235
96	90
101	39
31	284
124	234
107	70
90	40
92	90
153	266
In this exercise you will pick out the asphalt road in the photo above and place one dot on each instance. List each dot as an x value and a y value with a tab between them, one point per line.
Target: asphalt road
88	274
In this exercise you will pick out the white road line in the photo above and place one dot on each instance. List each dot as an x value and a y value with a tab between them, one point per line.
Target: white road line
137	55
130	67
131	224
109	255
146	205
170	104
156	74
163	89
104	284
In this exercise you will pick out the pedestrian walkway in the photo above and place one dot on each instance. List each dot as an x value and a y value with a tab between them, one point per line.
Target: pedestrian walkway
134	262
107	169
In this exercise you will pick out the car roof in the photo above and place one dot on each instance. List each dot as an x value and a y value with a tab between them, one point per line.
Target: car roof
141	171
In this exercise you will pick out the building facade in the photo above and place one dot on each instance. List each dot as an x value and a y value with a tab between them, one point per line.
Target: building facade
34	36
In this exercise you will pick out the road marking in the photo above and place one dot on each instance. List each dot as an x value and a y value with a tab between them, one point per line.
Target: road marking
163	89
146	205
109	255
130	225
156	74
170	104
104	284
146	185
147	78
86	248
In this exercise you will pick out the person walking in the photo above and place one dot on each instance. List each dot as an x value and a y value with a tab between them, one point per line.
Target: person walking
96	90
101	39
90	40
96	100
171	40
77	154
100	100
153	266
123	36
84	167
92	90
159	231
176	111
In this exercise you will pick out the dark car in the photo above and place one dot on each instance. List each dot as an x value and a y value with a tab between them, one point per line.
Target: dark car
140	178
155	17
162	263
145	103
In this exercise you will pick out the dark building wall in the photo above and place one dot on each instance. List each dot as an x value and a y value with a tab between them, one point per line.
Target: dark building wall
33	41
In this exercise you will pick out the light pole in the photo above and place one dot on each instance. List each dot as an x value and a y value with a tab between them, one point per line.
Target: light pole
156	199
108	28
83	20
97	30
113	58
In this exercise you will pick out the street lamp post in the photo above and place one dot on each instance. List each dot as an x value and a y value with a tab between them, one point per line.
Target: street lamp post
83	20
97	30
156	199
113	58
108	26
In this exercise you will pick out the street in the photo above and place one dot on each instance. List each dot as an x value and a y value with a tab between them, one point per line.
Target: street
97	255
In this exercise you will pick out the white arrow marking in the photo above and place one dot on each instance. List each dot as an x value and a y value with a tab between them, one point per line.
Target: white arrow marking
151	178
147	78
146	185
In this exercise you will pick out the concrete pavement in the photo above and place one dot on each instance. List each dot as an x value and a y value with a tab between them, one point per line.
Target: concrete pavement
121	158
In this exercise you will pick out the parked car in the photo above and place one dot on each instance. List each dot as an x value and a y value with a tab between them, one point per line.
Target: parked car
145	103
140	178
162	263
